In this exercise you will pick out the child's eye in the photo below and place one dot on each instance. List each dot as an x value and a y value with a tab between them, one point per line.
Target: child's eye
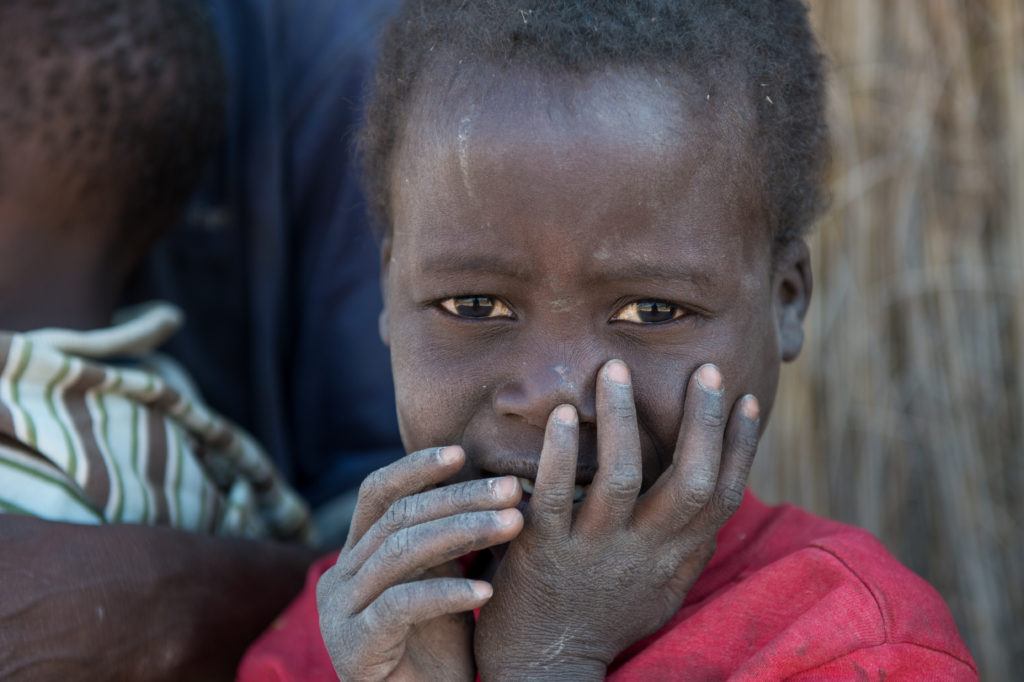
648	312
476	307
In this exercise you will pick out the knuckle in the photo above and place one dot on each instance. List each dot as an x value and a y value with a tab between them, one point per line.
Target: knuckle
624	483
396	546
461	590
547	505
628	471
728	499
698	493
617	493
372	487
457	496
448	591
560	437
624	409
397	517
393	603
482	524
710	414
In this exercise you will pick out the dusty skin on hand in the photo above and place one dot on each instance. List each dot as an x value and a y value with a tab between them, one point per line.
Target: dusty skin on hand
393	606
582	582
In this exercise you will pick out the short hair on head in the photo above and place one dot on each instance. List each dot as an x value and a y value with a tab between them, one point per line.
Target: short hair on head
768	44
119	98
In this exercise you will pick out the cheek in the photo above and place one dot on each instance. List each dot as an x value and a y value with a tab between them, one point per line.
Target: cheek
758	366
659	388
747	354
437	388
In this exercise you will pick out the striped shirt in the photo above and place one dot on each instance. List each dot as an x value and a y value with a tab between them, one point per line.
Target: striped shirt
96	428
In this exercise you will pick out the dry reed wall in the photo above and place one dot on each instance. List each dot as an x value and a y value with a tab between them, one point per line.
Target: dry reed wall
905	413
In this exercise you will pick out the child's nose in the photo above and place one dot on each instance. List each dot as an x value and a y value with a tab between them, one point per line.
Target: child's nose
543	386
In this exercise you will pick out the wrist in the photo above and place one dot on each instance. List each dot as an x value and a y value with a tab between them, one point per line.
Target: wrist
537	666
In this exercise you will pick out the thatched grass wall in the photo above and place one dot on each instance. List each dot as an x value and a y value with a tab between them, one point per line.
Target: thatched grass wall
905	413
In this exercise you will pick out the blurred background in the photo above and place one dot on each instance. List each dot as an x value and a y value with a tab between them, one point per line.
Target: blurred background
905	413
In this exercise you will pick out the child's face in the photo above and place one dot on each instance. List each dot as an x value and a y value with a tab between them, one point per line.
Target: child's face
541	229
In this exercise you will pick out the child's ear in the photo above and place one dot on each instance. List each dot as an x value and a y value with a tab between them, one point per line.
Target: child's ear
792	284
385	268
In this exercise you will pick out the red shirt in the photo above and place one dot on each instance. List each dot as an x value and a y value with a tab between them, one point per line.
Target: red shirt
786	595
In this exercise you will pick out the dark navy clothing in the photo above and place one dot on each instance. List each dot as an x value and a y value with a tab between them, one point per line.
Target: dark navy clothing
273	262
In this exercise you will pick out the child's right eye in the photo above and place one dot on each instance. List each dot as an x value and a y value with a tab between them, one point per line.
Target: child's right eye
476	307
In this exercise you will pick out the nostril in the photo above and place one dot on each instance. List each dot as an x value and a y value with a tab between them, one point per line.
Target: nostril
541	388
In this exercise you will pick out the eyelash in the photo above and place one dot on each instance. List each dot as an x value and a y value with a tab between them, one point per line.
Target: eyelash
678	312
440	304
450	304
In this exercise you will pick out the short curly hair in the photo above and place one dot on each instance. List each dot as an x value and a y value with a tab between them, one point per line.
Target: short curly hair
766	45
121	99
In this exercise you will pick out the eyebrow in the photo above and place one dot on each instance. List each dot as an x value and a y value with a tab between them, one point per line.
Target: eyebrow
643	271
626	271
490	265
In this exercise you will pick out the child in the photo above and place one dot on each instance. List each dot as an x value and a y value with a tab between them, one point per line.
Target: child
592	238
107	115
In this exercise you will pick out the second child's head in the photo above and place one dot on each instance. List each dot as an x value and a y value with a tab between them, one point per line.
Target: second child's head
563	183
108	112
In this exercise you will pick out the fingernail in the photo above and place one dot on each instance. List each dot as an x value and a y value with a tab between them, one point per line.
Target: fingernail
507	517
482	590
618	372
449	455
751	408
565	414
710	378
504	486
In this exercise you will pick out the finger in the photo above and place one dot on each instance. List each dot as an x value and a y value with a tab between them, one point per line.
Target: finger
687	486
550	509
741	441
470	496
407	476
408	604
365	645
405	555
616	484
398	608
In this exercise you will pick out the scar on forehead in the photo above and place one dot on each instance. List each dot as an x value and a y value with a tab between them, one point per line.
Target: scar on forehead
465	130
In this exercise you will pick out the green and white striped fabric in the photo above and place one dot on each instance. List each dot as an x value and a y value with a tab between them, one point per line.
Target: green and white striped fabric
95	428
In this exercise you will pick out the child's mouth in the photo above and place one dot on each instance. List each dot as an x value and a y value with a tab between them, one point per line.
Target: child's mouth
579	492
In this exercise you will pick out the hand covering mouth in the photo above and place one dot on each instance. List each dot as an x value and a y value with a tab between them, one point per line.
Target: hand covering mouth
579	492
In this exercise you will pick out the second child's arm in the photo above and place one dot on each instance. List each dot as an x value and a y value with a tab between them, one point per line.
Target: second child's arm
134	602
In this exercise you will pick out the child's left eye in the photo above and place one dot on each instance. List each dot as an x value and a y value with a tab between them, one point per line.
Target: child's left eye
648	312
476	307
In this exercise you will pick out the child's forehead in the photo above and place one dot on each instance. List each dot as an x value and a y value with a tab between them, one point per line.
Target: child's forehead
560	148
653	102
